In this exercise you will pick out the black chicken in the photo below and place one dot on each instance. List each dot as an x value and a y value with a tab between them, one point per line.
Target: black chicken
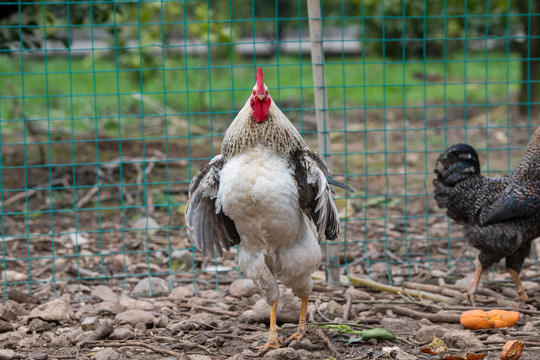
500	216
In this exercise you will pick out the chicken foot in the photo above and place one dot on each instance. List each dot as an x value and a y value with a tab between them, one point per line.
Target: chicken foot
471	293
519	285
273	338
302	328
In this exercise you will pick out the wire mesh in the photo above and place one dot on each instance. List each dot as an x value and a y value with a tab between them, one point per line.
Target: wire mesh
108	108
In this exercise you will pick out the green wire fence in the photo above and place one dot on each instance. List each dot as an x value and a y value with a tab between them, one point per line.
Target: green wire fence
108	108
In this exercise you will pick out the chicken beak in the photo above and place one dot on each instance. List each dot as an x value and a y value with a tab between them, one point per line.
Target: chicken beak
261	97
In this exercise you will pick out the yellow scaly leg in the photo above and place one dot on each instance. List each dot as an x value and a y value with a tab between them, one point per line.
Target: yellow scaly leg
302	328
273	339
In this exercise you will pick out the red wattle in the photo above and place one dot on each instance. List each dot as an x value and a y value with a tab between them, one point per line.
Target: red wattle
260	110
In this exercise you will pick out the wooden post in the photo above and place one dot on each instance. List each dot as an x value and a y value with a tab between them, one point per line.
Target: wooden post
321	111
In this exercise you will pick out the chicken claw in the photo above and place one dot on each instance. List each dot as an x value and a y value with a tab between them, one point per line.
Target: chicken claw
273	343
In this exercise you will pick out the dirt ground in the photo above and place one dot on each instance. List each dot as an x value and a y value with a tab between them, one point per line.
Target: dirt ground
81	241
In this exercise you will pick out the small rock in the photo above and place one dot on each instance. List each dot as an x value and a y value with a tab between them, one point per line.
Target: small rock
73	334
426	333
13	276
288	310
16	308
183	259
6	314
282	354
121	261
122	333
203	318
7	354
107	354
335	309
247	317
161	322
199	339
396	353
199	357
236	357
399	324
304	344
242	288
131	304
211	294
133	317
529	327
59	341
109	307
105	293
461	339
357	294
39	356
495	339
10	340
151	287
248	353
181	293
466	281
21	297
5	326
147	224
56	310
29	342
175	327
89	323
38	325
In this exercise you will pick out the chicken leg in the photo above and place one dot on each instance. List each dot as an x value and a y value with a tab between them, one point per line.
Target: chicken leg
302	328
474	284
519	285
273	339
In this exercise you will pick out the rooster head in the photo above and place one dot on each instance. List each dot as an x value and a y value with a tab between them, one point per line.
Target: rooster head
260	100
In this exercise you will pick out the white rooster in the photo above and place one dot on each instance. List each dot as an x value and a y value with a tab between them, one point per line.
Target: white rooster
268	192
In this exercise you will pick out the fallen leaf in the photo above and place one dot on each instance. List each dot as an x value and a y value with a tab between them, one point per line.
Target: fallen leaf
436	347
512	350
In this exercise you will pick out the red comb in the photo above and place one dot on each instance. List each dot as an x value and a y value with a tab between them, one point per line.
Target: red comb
260	83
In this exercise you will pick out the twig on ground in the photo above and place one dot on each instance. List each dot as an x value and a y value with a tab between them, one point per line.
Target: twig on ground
101	331
480	291
399	310
88	196
187	343
331	346
317	304
396	290
208	309
432	288
31	192
138	344
348	305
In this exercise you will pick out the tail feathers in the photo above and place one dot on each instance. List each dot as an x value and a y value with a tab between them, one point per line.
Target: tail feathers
338	184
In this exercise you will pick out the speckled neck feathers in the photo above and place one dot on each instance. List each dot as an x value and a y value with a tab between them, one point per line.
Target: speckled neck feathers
529	165
277	133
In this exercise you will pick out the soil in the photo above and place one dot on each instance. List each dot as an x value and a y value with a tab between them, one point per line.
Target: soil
110	213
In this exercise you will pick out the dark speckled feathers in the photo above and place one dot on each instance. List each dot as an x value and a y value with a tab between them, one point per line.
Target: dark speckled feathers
501	216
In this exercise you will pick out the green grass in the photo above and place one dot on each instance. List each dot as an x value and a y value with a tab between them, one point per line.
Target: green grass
89	96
